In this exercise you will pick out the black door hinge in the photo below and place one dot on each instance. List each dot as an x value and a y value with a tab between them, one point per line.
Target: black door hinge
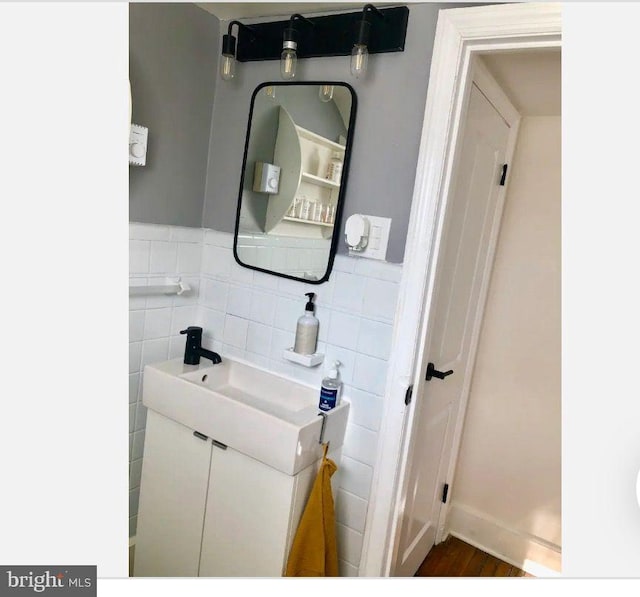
445	491
504	174
408	395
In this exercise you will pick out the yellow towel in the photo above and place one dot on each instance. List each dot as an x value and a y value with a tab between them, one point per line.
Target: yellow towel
314	551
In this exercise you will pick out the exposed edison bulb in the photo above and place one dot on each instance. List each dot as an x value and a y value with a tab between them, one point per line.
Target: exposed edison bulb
227	67
288	61
325	93
359	57
270	92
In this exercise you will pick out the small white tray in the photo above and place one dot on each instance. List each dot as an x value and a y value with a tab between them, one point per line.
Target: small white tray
308	360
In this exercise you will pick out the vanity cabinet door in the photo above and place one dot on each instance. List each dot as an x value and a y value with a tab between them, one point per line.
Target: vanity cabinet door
173	493
252	513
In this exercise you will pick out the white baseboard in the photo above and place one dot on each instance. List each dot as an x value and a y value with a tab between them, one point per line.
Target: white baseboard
528	552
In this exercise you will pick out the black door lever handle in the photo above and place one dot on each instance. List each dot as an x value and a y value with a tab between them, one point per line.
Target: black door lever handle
433	372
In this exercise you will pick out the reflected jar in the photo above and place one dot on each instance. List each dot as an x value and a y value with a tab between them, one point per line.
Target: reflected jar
305	209
316	214
294	210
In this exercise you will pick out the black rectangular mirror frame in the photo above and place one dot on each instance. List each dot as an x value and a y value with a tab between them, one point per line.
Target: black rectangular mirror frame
343	182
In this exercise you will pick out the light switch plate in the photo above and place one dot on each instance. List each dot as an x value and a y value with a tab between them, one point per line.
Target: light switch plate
378	239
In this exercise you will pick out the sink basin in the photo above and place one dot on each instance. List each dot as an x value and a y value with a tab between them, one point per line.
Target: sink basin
266	416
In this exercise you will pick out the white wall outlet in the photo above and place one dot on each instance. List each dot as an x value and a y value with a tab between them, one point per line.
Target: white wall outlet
378	239
138	137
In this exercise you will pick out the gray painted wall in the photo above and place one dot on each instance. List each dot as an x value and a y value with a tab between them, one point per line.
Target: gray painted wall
391	101
173	62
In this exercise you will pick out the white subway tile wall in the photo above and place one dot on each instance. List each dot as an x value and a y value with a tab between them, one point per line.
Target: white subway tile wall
156	252
253	315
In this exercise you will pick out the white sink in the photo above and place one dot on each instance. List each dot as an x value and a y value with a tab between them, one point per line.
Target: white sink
269	417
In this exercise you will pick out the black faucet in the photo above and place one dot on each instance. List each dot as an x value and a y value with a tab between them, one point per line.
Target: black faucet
193	348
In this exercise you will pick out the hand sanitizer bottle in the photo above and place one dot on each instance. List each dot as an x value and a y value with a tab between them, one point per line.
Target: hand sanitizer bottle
331	389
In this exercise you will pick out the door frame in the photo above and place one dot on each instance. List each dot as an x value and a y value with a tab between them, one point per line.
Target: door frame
489	88
461	34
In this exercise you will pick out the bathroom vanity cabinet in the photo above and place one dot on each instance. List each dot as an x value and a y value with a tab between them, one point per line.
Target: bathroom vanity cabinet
303	157
230	456
206	510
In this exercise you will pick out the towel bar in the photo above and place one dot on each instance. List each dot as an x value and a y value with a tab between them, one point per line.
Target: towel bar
169	287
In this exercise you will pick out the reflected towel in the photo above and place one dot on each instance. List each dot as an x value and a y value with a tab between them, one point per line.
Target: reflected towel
314	551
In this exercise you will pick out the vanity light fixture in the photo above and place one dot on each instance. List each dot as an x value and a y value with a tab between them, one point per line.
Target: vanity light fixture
360	51
336	34
228	58
289	57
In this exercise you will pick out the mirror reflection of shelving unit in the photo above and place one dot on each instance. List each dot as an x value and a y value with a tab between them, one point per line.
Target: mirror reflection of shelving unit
303	157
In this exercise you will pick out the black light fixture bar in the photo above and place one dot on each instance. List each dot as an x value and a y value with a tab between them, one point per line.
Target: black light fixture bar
331	35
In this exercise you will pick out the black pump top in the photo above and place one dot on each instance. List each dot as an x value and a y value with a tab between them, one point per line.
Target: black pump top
310	306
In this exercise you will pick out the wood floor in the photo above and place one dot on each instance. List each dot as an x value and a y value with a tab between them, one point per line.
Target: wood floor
454	557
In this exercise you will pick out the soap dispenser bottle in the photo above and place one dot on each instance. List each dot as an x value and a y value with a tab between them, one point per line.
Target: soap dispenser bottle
331	389
307	329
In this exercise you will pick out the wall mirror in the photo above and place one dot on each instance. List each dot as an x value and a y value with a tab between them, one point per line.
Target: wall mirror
294	176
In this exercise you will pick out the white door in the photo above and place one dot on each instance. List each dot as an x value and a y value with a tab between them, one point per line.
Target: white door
468	241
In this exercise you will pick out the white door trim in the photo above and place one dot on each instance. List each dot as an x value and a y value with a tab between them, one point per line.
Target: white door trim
460	34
